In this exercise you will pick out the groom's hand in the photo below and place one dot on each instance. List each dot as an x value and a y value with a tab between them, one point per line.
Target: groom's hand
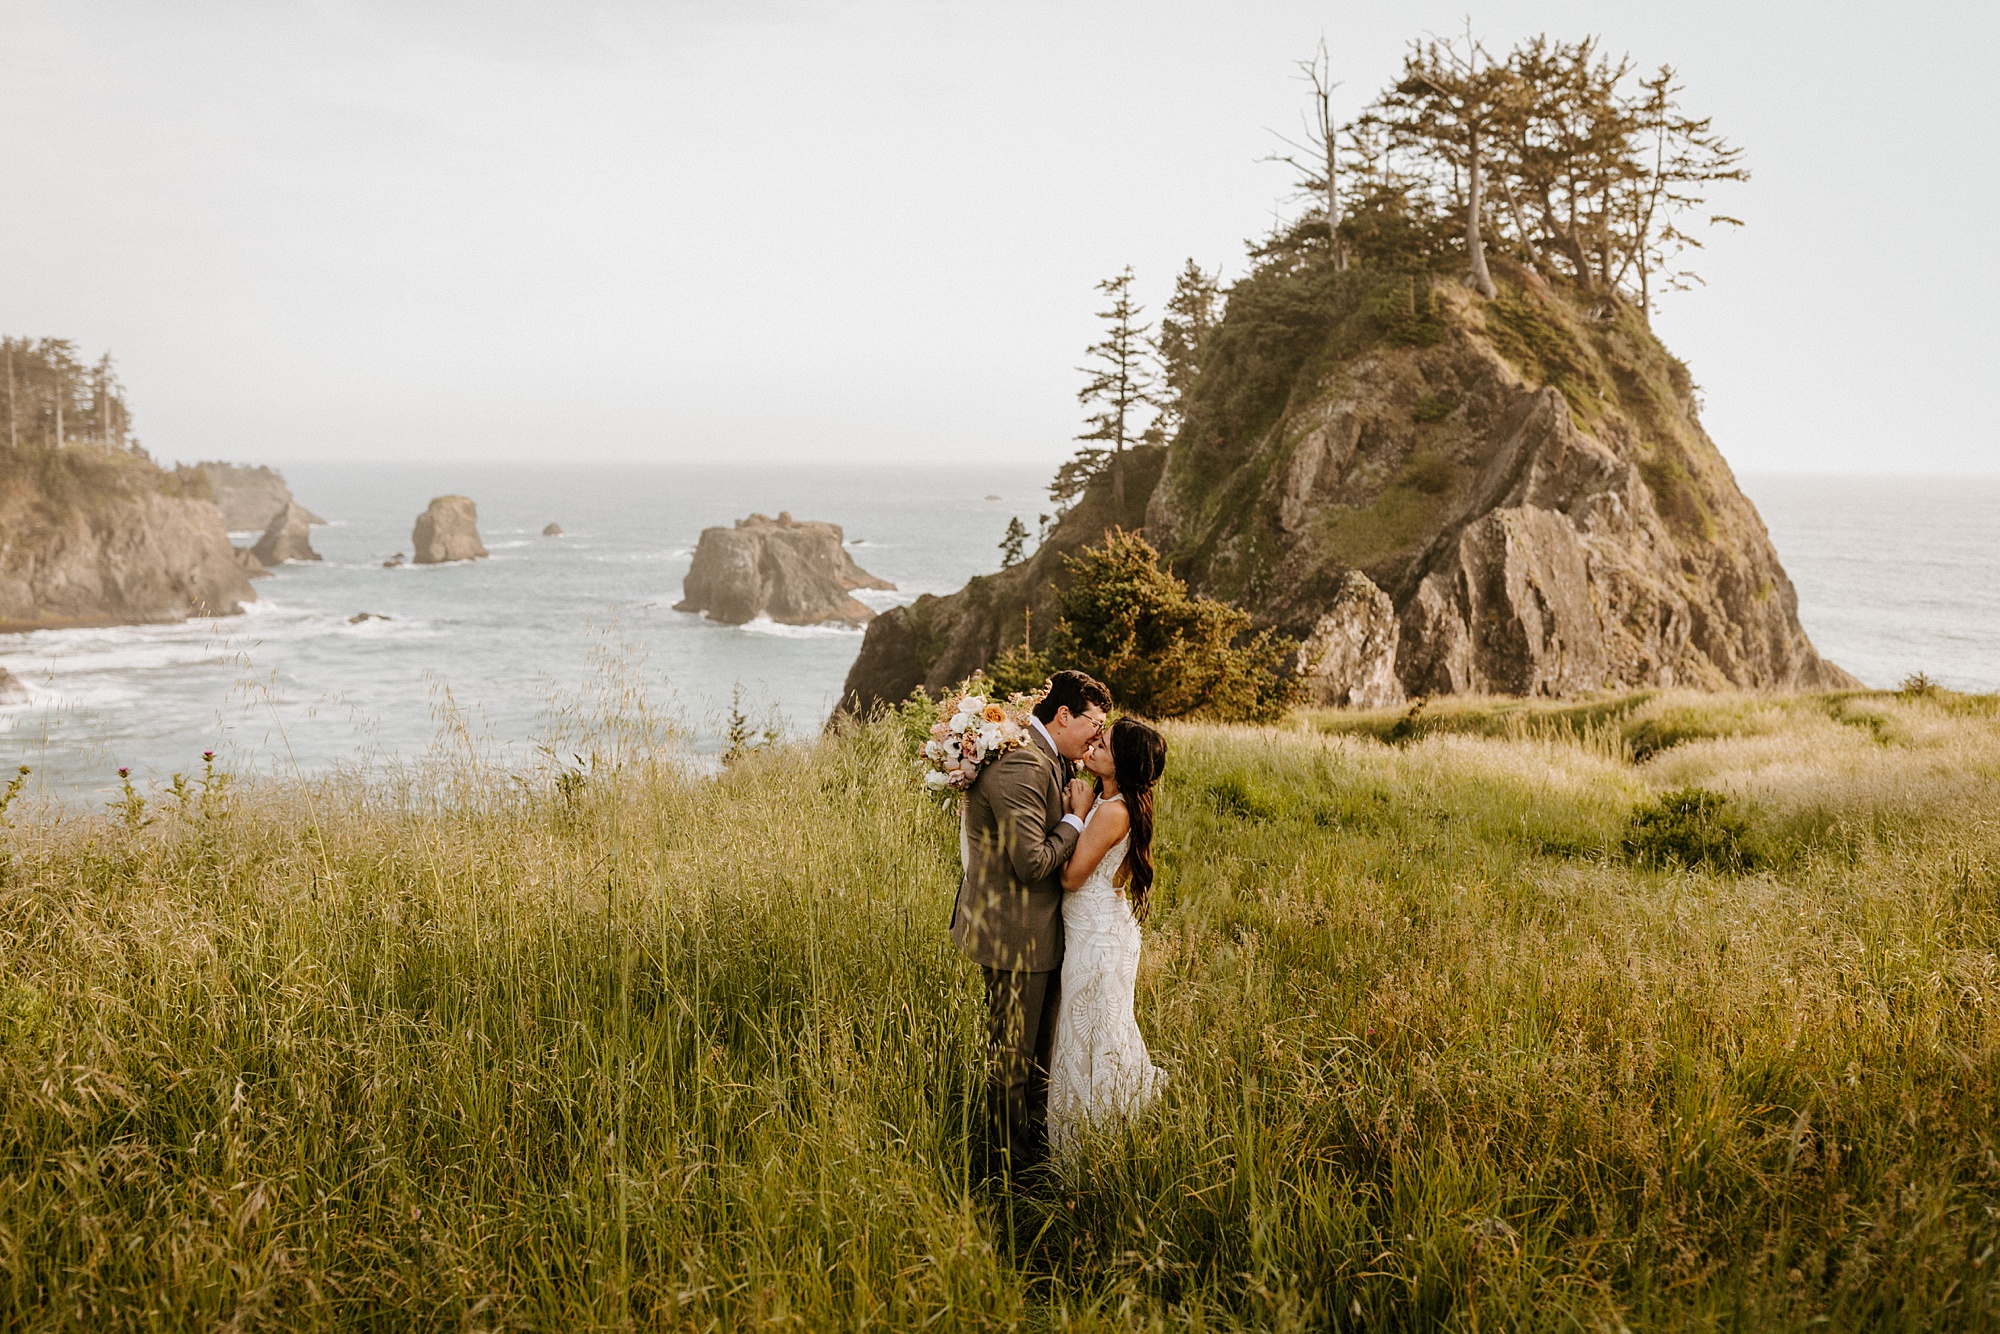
1080	797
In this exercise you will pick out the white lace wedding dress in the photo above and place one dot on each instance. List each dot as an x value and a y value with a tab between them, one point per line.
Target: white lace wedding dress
1100	1067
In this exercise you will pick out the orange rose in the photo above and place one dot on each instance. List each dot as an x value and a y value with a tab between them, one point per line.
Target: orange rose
995	714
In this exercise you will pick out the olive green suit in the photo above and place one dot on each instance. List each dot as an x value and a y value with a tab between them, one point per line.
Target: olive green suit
1008	920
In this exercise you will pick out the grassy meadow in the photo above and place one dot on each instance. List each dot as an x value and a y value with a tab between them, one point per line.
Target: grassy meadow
1472	1023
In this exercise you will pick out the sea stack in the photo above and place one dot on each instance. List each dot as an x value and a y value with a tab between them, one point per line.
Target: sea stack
797	573
447	531
553	530
286	538
1506	496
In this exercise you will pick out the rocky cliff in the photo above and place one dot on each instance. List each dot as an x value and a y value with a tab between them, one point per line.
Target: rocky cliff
797	573
1435	493
249	498
91	535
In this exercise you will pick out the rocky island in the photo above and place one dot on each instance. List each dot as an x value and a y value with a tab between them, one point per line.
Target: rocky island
447	531
797	573
287	538
1434	492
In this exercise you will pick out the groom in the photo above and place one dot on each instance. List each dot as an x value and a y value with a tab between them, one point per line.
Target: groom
1023	816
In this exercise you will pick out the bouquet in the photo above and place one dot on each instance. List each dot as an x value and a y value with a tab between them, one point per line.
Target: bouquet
971	731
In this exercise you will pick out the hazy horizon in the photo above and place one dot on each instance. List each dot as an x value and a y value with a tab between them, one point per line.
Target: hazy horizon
635	234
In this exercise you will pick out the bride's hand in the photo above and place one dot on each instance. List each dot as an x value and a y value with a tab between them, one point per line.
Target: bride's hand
1082	796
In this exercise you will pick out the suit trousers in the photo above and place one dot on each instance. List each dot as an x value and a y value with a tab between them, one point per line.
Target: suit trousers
1020	1039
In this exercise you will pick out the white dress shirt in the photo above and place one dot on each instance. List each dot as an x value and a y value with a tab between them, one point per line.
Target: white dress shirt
1036	723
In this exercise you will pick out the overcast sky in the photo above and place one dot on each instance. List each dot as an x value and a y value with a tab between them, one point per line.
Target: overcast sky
869	231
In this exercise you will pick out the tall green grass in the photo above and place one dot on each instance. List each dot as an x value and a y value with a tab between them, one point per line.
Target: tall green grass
620	1046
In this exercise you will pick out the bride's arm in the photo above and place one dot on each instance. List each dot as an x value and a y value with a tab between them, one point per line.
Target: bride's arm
1099	837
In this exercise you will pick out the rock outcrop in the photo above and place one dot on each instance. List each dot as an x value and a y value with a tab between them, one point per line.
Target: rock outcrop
1532	491
246	561
11	689
1348	658
1512	496
552	530
287	537
935	642
797	573
447	531
249	498
94	535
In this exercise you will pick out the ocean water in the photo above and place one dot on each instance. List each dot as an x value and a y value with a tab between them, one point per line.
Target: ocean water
295	684
1894	576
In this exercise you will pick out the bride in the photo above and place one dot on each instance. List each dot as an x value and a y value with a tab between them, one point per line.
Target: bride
1100	1067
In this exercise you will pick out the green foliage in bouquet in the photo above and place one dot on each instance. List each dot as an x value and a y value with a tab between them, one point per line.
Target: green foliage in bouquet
1165	653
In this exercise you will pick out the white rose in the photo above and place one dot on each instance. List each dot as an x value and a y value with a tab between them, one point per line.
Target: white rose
990	738
973	705
961	722
936	781
934	751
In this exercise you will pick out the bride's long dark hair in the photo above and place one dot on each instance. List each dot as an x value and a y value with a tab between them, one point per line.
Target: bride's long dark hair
1138	757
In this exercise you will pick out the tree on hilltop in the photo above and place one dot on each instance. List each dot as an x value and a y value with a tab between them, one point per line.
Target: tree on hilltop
1558	152
1192	313
1319	170
54	399
1119	386
1444	107
1013	543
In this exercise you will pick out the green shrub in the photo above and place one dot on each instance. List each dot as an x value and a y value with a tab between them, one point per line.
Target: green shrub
1690	827
1165	653
1433	408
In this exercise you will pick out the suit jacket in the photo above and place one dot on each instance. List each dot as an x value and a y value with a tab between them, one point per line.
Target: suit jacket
1009	908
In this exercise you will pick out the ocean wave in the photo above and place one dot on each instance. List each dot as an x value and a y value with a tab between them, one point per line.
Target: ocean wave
633	557
764	625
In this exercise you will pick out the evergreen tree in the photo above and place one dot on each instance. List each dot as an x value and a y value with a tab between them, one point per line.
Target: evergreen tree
1559	152
53	399
1191	315
1013	543
1119	386
1444	107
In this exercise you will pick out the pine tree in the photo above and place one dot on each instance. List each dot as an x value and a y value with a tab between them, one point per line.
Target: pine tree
1192	314
1012	545
1119	385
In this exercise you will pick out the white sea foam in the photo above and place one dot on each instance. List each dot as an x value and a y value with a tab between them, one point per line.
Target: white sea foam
764	625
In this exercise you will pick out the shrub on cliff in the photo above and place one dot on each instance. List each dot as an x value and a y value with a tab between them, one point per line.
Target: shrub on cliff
1164	652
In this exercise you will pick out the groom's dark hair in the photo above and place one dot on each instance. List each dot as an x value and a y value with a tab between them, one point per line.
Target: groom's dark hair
1075	691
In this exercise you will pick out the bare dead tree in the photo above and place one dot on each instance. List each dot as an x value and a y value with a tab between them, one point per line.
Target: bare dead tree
1319	167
